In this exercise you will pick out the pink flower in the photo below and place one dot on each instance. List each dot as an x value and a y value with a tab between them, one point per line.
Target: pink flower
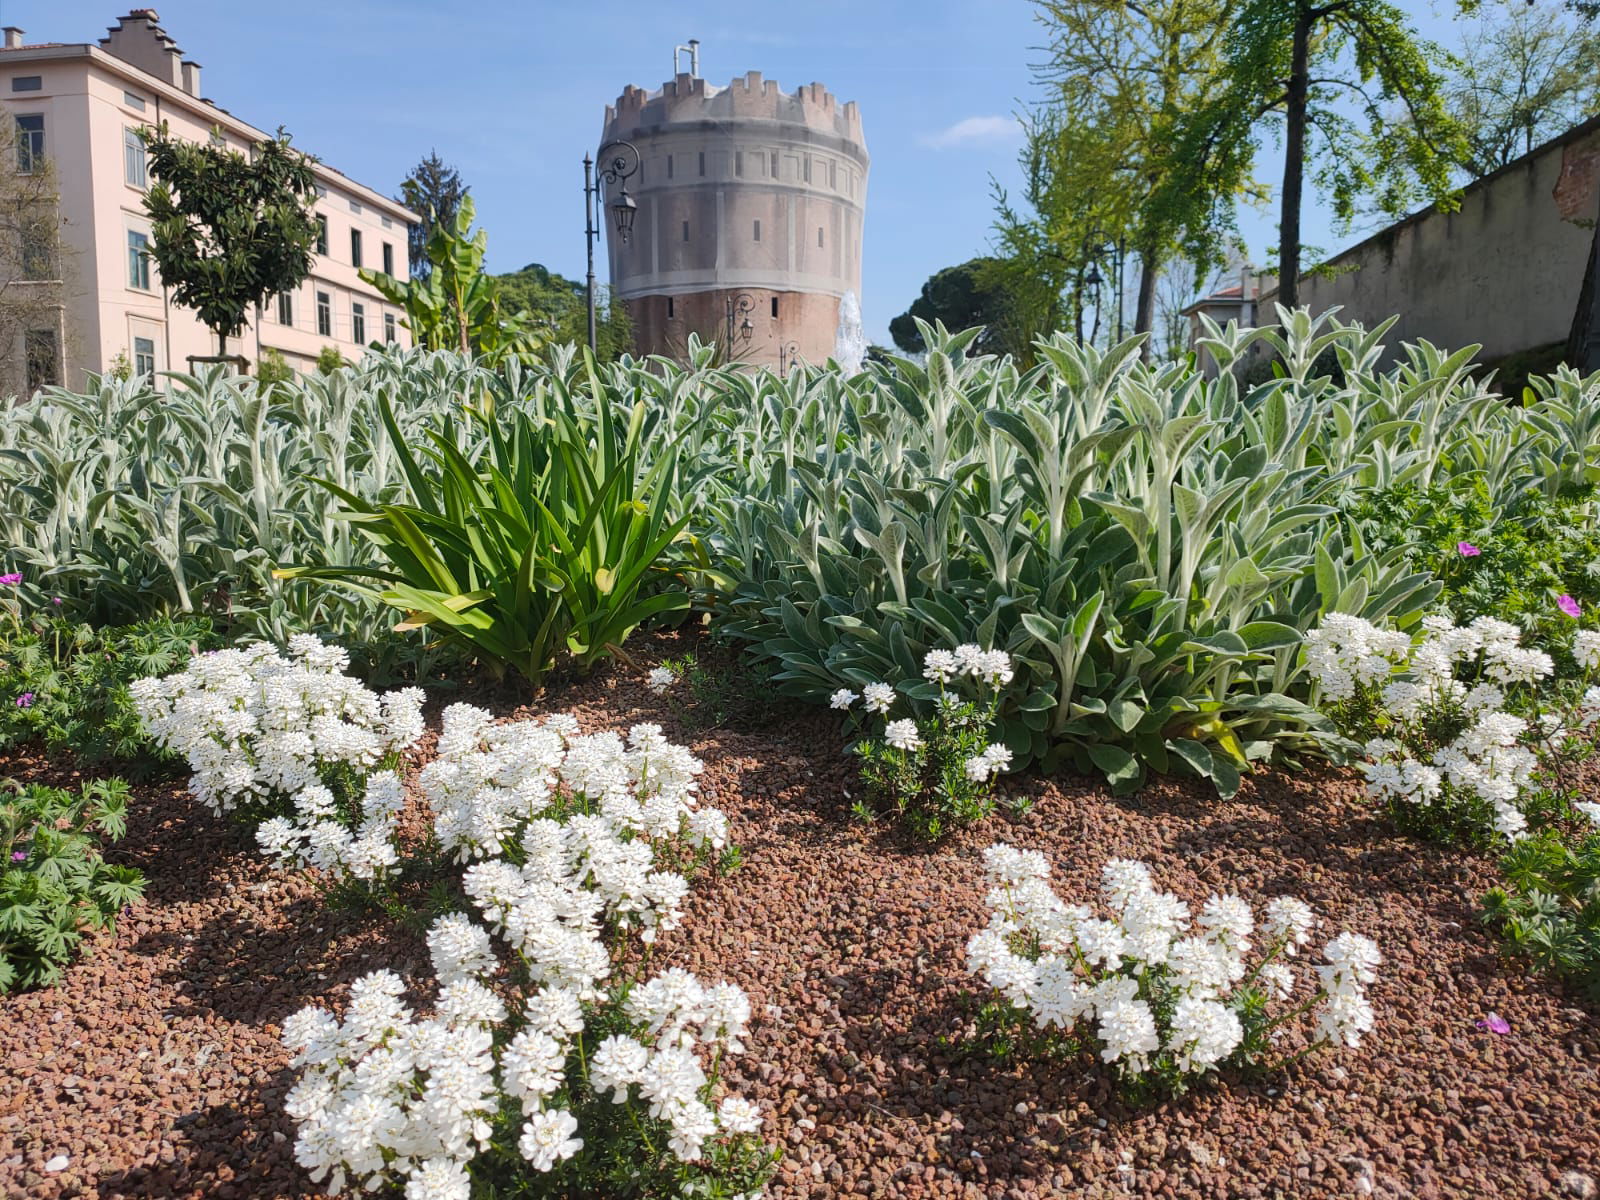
1495	1023
25	700
56	600
1568	605
11	580
1467	550
18	855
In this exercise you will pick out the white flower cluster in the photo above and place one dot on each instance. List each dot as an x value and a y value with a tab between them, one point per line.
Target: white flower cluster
490	781
1065	965
1453	677
387	1097
990	667
660	679
318	837
259	726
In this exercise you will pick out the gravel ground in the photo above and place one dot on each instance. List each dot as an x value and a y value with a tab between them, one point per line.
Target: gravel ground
155	1070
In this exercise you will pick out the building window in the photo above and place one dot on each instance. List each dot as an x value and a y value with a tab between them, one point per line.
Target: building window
38	247
671	308
138	261
322	234
819	237
833	175
388	259
774	164
44	359
388	328
30	141
324	314
738	163
355	206
805	163
144	358
286	308
757	234
355	247
27	83
217	139
702	162
322	192
686	231
358	323
387	223
133	163
774	306
134	102
669	166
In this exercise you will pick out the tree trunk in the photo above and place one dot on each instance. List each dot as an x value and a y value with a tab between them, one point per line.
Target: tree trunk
1294	160
222	345
1583	342
1144	316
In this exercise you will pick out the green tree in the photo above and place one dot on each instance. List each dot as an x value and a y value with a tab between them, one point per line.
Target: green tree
434	192
960	296
456	305
230	229
1118	76
1330	74
558	307
1520	79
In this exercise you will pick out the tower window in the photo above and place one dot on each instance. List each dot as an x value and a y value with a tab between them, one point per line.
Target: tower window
702	162
669	166
819	237
738	162
774	306
686	231
806	163
833	175
774	164
758	231
671	309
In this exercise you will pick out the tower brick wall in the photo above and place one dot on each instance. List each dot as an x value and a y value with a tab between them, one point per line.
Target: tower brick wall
745	193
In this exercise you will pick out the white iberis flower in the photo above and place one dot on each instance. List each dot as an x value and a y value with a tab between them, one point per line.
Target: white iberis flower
1154	990
902	735
843	698
660	679
878	697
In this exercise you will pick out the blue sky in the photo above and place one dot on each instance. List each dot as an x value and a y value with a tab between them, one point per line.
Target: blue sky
513	94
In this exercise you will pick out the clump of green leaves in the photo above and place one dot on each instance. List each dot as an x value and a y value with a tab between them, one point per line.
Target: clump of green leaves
935	772
1549	909
65	684
1512	561
55	883
547	544
925	782
721	690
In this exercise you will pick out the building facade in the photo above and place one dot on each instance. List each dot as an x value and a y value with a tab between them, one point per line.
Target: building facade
1504	270
78	107
750	209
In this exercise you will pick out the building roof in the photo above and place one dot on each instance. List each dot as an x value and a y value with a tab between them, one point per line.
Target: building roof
47	51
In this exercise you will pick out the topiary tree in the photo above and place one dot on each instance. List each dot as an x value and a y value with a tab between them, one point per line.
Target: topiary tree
230	229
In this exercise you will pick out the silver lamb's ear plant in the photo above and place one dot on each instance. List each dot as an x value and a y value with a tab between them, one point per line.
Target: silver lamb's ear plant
1148	544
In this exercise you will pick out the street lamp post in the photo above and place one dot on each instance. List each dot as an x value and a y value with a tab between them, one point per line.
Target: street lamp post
741	305
615	171
789	354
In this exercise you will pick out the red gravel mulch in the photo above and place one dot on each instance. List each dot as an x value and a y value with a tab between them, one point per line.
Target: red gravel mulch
156	1071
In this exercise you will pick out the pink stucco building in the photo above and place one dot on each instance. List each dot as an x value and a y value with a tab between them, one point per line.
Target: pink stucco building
78	105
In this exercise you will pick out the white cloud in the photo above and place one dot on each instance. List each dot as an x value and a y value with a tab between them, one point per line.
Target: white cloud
975	131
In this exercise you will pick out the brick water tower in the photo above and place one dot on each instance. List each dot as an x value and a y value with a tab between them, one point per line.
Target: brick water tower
748	227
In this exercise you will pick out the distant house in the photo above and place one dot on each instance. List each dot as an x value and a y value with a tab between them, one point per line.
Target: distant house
1504	270
79	106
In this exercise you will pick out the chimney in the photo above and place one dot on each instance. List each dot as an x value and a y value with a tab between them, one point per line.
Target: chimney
13	37
191	78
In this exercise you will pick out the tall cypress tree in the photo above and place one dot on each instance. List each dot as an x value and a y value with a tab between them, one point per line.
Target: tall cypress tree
433	191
